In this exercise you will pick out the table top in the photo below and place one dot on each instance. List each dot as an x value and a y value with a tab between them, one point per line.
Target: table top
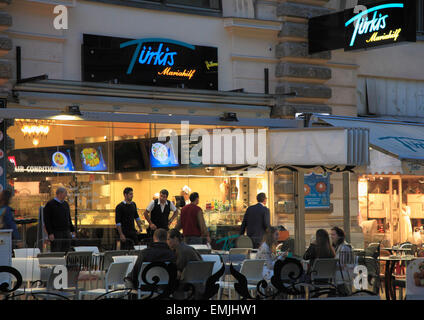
396	249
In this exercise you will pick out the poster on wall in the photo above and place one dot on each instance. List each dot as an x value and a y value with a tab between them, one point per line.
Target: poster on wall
317	191
149	61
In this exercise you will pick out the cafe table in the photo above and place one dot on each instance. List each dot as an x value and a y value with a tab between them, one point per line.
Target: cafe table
390	262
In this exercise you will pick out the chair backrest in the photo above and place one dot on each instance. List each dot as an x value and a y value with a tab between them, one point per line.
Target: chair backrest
140	247
50	254
85	249
244	242
157	271
216	259
52	260
199	246
252	270
29	268
115	274
290	268
81	258
204	251
197	271
26	252
324	269
108	257
130	259
244	251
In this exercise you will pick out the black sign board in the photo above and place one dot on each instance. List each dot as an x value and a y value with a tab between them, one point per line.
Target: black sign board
379	24
150	61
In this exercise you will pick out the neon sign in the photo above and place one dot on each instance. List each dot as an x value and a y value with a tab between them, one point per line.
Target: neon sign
185	74
378	22
162	56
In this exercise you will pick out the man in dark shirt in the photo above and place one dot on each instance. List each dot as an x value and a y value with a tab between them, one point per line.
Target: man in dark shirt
158	251
256	220
58	223
125	214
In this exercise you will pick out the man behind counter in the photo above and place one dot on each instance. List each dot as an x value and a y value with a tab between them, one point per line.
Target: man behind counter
126	213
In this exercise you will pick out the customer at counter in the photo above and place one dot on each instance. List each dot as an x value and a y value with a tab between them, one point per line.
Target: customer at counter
256	220
192	222
157	213
125	214
57	219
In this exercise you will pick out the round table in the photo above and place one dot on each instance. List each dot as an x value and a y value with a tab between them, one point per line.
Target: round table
390	262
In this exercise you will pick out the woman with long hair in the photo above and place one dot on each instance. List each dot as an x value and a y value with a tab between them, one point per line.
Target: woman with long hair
268	252
344	254
320	248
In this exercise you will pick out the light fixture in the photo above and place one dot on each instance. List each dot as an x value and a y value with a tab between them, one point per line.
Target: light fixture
34	129
71	113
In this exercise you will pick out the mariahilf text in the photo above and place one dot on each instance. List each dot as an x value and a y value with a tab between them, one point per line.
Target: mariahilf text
228	310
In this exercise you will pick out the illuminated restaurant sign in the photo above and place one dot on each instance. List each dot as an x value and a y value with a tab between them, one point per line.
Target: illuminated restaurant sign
363	27
149	61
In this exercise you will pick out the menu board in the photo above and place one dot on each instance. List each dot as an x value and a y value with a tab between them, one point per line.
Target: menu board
317	190
163	154
92	158
63	160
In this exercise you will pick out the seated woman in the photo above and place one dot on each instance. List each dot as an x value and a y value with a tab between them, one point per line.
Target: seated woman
320	248
267	251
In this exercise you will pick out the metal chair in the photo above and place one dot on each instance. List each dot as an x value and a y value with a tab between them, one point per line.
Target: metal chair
26	252
323	272
196	273
131	259
156	271
244	242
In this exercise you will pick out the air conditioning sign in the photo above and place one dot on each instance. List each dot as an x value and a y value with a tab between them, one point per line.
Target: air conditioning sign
383	24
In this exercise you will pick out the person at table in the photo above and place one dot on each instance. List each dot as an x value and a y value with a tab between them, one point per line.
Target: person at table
157	251
6	215
344	254
268	252
125	214
192	222
183	252
256	220
58	223
157	213
321	248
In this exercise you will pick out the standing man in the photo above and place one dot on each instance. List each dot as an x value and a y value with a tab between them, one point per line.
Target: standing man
157	213
193	223
57	219
125	214
256	220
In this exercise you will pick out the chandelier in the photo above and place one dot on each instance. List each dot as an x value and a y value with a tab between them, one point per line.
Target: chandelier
34	129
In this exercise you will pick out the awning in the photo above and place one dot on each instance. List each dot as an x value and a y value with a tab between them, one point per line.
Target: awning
402	140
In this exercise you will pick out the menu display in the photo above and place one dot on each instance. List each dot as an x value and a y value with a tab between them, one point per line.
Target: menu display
162	155
92	159
317	190
63	161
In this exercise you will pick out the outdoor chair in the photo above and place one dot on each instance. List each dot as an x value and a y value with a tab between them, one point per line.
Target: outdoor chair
85	249
252	270
131	259
218	262
83	259
51	254
244	242
26	252
323	273
29	269
114	280
197	273
157	271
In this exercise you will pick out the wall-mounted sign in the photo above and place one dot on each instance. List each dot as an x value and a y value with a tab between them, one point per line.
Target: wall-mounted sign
149	61
63	160
382	23
317	190
163	155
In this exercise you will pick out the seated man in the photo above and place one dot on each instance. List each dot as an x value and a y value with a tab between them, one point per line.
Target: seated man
184	253
158	251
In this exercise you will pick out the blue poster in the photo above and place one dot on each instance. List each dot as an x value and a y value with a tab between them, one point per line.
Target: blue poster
317	190
92	159
62	161
162	155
